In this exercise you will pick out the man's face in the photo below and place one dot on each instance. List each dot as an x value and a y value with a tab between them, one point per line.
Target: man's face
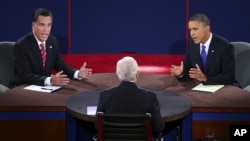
198	32
42	27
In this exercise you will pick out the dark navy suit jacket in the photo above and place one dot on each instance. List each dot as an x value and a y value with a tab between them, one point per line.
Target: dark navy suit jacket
220	65
28	63
127	98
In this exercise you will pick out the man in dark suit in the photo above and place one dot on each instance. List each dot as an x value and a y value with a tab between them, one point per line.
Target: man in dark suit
218	67
29	65
127	98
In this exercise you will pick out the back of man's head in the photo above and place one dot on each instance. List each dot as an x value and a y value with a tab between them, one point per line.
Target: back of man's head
126	69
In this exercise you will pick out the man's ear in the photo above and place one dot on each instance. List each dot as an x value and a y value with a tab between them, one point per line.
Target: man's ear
33	25
208	27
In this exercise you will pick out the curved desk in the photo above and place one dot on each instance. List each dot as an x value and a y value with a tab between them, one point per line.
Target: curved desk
173	106
19	106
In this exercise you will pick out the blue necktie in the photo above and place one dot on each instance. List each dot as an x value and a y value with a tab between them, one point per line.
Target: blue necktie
203	56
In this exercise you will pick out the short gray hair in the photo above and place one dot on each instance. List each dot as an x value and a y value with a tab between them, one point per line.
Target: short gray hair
126	69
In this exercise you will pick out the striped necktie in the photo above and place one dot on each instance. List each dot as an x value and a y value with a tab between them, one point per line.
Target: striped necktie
43	54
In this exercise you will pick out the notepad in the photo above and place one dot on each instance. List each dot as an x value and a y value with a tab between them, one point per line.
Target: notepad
91	110
46	89
207	88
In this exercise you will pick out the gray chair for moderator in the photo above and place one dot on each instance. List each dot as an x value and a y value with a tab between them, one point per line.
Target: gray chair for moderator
6	64
242	64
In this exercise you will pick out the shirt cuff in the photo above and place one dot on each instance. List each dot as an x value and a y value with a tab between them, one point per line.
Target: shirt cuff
76	75
47	81
180	76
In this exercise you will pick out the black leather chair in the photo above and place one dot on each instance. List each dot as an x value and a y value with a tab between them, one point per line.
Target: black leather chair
242	64
6	64
113	127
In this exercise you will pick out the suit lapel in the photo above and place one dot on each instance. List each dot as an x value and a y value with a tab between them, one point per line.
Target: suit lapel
49	56
211	51
197	54
36	50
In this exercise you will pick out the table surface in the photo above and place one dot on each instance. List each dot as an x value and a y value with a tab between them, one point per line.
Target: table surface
227	99
173	106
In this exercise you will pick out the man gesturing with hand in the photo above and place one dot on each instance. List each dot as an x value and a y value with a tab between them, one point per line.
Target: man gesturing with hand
209	57
37	55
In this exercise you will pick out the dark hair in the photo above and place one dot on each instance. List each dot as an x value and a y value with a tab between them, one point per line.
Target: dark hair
41	12
201	18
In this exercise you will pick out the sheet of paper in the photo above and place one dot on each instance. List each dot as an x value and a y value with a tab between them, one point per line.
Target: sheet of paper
91	110
46	89
207	88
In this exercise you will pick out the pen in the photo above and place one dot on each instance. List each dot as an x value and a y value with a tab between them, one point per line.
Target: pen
46	89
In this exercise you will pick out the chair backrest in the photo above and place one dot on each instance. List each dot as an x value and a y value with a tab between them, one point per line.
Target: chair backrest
6	62
112	127
242	63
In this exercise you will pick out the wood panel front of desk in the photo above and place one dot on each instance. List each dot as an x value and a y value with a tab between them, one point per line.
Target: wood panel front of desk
32	123
218	111
36	116
221	129
33	116
32	130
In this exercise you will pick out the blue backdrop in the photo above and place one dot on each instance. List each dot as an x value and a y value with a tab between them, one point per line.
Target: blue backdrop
115	26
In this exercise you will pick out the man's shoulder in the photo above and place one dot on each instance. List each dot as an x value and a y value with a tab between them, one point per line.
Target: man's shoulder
52	38
221	40
27	37
147	92
26	40
138	89
108	90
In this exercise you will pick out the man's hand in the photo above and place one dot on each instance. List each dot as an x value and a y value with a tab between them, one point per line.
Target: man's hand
84	72
60	79
177	70
197	74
